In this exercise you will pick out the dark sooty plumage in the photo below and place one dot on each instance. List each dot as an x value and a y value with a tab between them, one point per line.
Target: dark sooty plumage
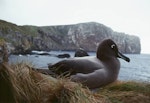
93	72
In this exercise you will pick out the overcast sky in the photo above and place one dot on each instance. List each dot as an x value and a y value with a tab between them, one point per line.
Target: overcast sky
128	16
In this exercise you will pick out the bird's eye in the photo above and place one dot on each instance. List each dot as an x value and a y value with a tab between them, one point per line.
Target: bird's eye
112	46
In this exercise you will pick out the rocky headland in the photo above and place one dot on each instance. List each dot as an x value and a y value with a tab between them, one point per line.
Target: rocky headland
24	39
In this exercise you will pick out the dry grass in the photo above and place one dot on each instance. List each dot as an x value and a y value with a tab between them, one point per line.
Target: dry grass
29	86
127	92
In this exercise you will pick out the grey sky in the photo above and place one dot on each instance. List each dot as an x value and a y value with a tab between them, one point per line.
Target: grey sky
129	16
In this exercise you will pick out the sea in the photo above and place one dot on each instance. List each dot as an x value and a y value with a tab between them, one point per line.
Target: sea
138	69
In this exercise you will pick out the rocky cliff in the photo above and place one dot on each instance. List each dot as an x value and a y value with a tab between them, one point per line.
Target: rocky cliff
65	37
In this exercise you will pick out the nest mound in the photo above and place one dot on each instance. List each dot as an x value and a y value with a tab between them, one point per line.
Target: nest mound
23	84
20	83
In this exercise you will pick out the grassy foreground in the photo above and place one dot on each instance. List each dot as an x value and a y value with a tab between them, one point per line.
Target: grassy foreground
25	85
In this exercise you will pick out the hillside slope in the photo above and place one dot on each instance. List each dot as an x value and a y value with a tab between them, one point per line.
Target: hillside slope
65	37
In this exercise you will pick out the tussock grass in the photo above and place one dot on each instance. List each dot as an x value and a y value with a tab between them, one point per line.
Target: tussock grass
28	86
127	92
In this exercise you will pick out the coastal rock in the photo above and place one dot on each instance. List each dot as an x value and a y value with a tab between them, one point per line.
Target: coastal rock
80	53
24	39
63	56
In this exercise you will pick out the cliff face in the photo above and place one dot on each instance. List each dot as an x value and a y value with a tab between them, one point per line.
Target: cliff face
65	37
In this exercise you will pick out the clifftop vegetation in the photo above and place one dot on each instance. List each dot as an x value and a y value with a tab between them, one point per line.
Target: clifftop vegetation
82	35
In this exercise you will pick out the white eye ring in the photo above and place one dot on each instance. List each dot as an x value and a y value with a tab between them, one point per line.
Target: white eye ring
112	46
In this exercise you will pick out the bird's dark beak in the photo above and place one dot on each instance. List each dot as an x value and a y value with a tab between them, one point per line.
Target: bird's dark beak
123	57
